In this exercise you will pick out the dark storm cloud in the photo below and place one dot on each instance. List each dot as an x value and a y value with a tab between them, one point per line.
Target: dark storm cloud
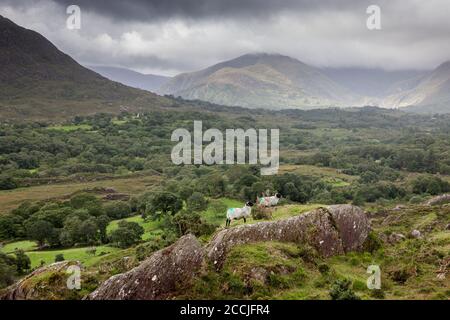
143	10
174	36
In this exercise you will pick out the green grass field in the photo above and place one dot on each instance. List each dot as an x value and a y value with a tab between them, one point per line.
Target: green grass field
152	229
10	199
80	254
25	245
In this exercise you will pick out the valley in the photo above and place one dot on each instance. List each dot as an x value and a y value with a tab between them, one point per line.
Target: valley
386	167
88	179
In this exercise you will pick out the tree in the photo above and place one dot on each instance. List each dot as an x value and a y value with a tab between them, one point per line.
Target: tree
117	210
23	262
246	181
102	225
7	270
163	203
11	226
71	232
65	238
7	183
80	200
127	234
39	230
197	202
88	230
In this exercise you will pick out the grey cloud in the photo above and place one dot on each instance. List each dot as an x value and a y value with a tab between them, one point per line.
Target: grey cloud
177	36
143	10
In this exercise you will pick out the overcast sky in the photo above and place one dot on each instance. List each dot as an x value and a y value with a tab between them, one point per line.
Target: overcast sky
172	36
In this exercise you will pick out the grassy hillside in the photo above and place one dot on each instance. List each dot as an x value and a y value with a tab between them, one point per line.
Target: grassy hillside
39	82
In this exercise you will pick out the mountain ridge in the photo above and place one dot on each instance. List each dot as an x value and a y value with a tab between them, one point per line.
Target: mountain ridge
431	90
38	81
300	85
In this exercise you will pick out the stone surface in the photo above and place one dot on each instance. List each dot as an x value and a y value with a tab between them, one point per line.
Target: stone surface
162	274
444	198
331	231
29	289
416	234
395	237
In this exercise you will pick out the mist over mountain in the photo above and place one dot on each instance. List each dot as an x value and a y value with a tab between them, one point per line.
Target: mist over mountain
431	90
274	81
37	79
370	82
269	81
149	82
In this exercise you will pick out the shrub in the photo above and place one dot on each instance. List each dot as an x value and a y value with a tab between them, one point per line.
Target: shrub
59	257
259	213
7	183
341	290
23	262
197	202
372	243
400	275
415	200
323	268
80	200
191	222
377	293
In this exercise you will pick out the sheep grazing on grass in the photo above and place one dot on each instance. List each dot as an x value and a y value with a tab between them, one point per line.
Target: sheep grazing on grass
239	213
269	201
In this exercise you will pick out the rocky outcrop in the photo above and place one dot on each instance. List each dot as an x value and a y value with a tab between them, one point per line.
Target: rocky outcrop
35	286
162	274
444	198
331	231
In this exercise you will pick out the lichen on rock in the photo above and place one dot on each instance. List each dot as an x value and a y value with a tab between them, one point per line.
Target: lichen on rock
159	276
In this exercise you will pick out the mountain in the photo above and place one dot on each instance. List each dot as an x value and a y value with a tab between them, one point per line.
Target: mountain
430	91
39	81
370	81
269	81
149	82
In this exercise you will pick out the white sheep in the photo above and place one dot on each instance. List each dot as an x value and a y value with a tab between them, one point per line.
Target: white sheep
269	201
239	213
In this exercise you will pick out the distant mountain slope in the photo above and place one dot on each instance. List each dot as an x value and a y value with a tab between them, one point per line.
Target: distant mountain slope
369	82
149	82
39	81
261	80
431	90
